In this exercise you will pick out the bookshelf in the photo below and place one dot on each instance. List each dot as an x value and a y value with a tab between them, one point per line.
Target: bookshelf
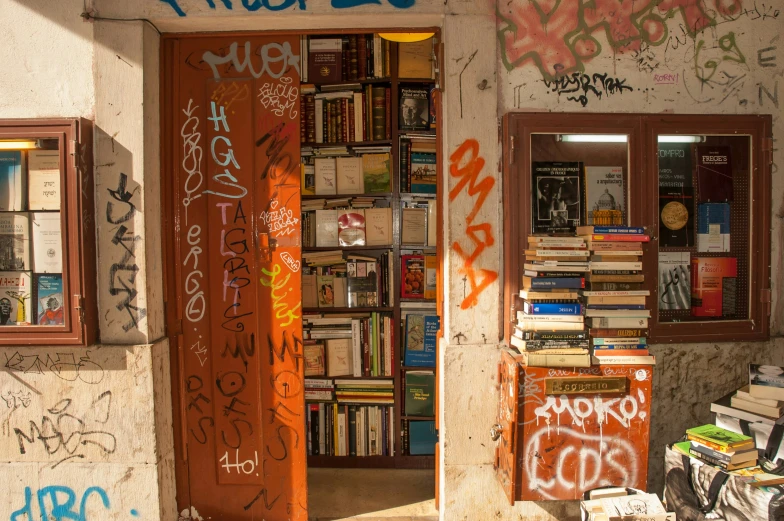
396	200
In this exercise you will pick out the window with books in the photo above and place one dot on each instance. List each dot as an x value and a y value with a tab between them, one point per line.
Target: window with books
656	226
44	236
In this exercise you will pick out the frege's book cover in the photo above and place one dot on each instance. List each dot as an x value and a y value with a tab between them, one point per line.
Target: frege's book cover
14	241
49	294
558	196
605	197
714	286
413	276
714	173
674	280
676	217
15	298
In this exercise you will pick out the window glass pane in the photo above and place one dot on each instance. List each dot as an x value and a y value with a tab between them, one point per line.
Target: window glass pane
31	244
704	228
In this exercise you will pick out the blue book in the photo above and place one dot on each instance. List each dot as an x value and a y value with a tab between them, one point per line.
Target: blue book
621	346
11	181
49	294
615	306
423	173
713	227
618	230
604	342
422	437
553	282
551	308
420	340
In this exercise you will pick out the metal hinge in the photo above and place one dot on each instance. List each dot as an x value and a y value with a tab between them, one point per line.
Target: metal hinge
512	141
500	372
75	151
78	304
765	299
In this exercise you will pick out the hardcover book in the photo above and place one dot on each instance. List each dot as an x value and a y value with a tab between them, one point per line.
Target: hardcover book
314	358
423	173
349	175
376	173
44	167
713	227
420	340
49	294
14	241
714	173
413	276
47	242
339	357
15	298
604	195
713	435
558	196
325	60
420	393
325	285
422	437
378	226
326	228
11	181
676	217
714	286
326	176
415	59
414	109
674	280
351	227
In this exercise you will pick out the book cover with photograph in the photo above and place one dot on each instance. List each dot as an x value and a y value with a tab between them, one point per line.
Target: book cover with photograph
420	340
604	195
325	284
15	298
714	174
768	375
714	286
674	280
423	173
49	294
414	108
413	276
713	227
11	181
675	165
676	217
14	241
558	196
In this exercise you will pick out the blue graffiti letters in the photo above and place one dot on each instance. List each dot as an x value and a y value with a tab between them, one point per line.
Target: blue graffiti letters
56	503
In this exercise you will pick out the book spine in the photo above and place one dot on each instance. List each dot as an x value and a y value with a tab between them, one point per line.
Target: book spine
552	309
633	350
353	62
344	120
351	130
344	62
618	238
708	443
709	459
352	430
563	283
365	347
609	307
617	332
715	454
379	115
310	118
303	118
625	360
557	336
362	57
596	271
388	112
613	230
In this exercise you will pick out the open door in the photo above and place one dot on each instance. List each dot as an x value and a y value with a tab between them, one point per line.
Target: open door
504	432
231	184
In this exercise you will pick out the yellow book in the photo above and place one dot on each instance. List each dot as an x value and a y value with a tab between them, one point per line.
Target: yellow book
431	271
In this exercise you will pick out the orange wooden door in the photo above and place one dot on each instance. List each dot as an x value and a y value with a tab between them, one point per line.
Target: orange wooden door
231	183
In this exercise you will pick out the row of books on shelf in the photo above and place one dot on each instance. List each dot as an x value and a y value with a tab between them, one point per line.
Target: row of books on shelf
350	430
31	241
360	282
27	299
418	172
351	175
359	345
29	180
344	116
565	322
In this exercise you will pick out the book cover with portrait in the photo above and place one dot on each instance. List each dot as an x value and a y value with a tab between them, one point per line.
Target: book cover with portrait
414	108
558	190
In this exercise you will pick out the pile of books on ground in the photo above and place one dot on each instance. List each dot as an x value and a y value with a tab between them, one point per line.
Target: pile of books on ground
722	448
622	504
614	297
550	329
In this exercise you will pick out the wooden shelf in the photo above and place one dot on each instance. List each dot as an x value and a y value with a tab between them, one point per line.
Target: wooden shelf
346	310
387	462
346	248
347	83
415	80
418	418
343	196
379	142
415	368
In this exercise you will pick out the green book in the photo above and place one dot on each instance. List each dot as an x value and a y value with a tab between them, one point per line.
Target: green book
718	436
420	393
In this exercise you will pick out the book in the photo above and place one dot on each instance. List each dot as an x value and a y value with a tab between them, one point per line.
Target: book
744	394
621	302
376	173
431	276
423	173
714	286
618	332
605	197
642	504
674	280
49	295
723	408
325	60
614	342
558	196
413	229
414	109
612	230
432	223
554	336
339	353
676	217
765	410
422	437
551	282
412	279
12	181
420	340
326	175
542	308
624	360
420	393
326	290
340	292
379	114
14	241
415	59
766	381
719	439
327	228
44	179
308	179
351	227
617	322
740	456
592	239
714	173
349	175
15	298
309	291
614	286
675	168
713	227
47	242
535	359
378	226
314	359
631	351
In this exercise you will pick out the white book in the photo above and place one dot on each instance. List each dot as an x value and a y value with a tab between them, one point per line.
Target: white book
11	180
549	318
630	293
47	242
630	313
322	429
349	175
326	176
14	241
623	360
414	226
598	265
562	253
744	394
617	322
326	228
432	223
356	347
358	117
378	226
44	173
342	438
319	109
550	326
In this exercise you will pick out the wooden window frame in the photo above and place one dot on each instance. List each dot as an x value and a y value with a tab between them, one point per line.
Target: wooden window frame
643	208
77	205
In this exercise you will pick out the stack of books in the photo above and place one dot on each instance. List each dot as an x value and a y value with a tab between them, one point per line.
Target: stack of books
719	447
614	297
760	402
365	391
550	330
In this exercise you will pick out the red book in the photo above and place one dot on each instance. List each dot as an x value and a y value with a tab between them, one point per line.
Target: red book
325	60
412	279
362	57
713	286
602	237
364	119
388	107
351	130
344	120
620	352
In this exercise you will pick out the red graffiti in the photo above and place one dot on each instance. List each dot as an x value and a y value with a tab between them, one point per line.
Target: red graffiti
560	36
467	170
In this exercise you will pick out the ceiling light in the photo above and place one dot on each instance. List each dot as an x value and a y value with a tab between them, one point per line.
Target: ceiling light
681	139
406	37
25	144
594	138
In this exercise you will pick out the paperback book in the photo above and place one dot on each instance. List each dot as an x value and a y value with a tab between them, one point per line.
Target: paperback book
558	196
15	298
420	340
676	217
714	286
674	280
714	173
605	197
14	241
49	294
414	108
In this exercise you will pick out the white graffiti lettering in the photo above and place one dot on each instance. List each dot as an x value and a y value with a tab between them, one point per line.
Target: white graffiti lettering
280	222
197	305
192	154
280	97
271	54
